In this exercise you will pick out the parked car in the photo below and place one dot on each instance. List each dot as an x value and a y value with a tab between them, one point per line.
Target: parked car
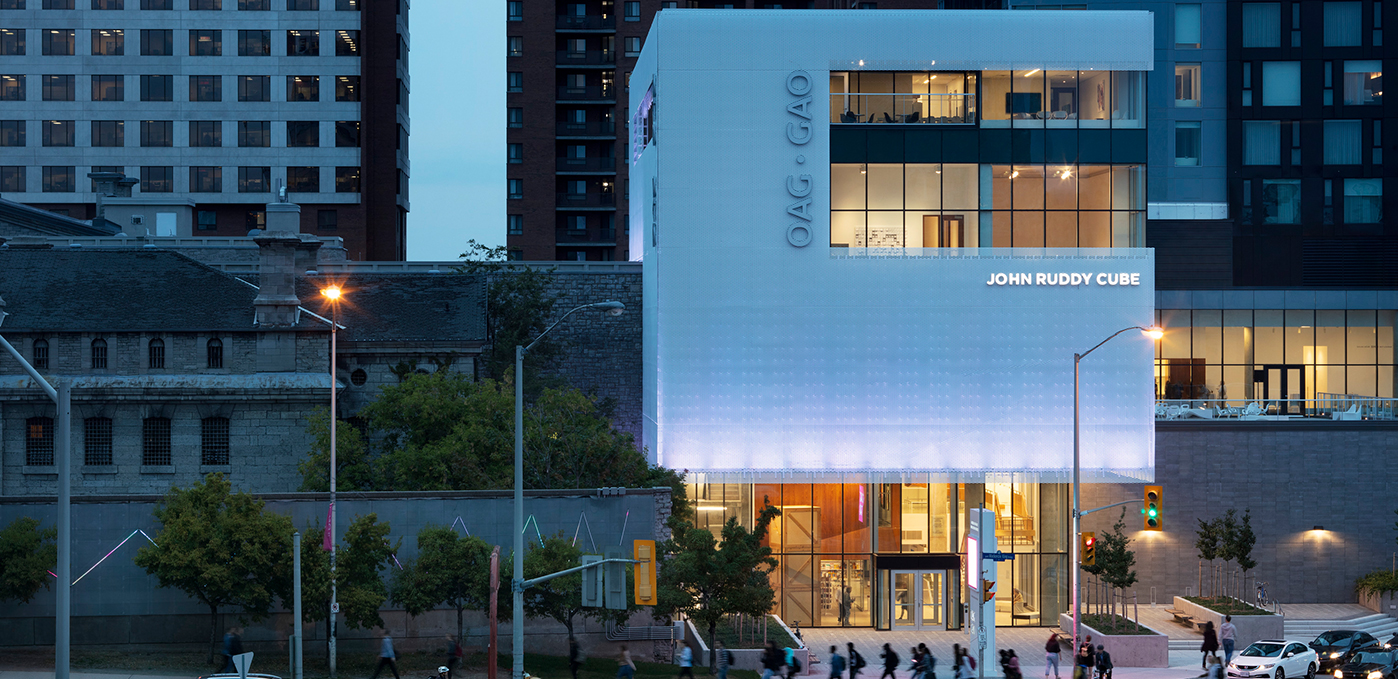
1337	647
1392	642
1275	659
1370	663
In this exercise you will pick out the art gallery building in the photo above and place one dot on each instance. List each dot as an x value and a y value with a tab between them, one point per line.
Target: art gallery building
871	244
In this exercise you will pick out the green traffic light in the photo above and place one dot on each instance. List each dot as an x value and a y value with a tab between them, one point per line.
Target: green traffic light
1152	512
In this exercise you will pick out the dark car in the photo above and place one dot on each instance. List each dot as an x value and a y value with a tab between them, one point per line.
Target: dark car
1337	647
1371	663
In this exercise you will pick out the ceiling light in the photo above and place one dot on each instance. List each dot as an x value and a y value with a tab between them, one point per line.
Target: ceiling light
1031	73
1014	174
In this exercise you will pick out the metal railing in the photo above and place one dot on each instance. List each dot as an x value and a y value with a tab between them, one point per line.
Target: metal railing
591	128
566	200
586	22
586	58
593	164
592	92
1326	406
903	109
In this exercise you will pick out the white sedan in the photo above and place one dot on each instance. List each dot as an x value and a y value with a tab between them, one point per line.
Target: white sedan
1275	659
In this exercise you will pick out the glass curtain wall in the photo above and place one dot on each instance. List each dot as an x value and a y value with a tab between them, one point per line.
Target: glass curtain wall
1034	98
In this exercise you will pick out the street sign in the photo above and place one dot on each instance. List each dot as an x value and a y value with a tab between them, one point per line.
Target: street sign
998	556
334	607
241	663
592	584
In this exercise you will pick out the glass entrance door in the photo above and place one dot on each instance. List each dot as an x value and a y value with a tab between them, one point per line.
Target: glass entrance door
918	600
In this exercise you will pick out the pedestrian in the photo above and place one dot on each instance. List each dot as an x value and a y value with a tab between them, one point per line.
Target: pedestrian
793	664
454	654
1014	666
890	662
1083	660
724	659
625	668
574	656
443	672
837	663
1210	646
966	668
1215	668
1051	649
686	661
927	661
846	605
232	645
1104	663
771	661
856	661
386	657
1227	635
915	662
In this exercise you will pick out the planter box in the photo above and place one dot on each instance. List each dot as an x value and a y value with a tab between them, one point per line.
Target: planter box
743	658
1386	603
1250	627
1128	650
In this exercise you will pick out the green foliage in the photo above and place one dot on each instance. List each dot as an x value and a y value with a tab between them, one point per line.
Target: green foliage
451	570
354	468
561	598
359	561
519	306
1243	542
1115	558
1207	541
1227	605
1377	583
220	548
27	553
1227	529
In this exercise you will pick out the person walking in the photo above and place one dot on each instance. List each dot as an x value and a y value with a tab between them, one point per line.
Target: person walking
454	654
1215	668
1014	666
837	663
723	659
915	662
856	661
1210	646
1104	663
890	662
846	606
574	656
625	667
1227	635
793	665
1051	649
927	661
386	657
966	666
686	661
771	661
232	645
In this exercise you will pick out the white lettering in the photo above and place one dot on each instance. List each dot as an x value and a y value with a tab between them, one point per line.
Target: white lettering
1040	279
1101	279
1075	278
1135	279
999	279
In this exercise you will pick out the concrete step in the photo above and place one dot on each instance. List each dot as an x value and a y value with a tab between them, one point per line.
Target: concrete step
1377	624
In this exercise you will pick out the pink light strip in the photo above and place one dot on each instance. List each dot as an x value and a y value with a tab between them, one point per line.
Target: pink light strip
114	549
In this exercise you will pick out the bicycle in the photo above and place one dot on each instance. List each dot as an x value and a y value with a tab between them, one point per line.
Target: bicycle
1262	594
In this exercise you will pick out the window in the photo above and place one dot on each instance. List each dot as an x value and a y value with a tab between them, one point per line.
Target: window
402	138
155	441
633	46
157	179
99	354
347	133
1343	145
256	219
1364	201
254	43
515	81
303	43
515	116
108	4
108	42
58	132
1187	142
254	88
97	441
516	189
12	132
205	133
206	179
207	220
577	223
157	42
108	88
254	180
158	4
347	5
303	5
347	180
327	220
108	133
346	88
254	133
1187	85
1363	83
206	88
1262	24
11	42
516	46
58	41
215	353
155	354
1186	26
1261	142
205	43
40	354
577	47
1281	201
213	441
58	88
12	87
58	4
38	441
1342	24
302	133
303	179
206	5
1281	83
346	43
516	153
303	88
157	133
516	225
12	179
403	95
1377	142
157	87
257	5
632	10
58	179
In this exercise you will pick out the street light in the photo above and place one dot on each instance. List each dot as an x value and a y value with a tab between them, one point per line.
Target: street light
1155	333
517	586
332	293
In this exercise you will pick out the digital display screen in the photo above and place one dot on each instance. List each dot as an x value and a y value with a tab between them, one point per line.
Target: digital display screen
973	563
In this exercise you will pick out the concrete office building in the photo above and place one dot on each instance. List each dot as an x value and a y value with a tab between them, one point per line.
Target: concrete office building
211	105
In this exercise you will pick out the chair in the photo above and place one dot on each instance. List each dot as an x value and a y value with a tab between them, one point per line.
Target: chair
1351	414
849	117
1060	115
914	117
1252	411
887	118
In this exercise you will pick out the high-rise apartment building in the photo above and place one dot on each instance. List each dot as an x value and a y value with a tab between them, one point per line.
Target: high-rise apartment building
212	106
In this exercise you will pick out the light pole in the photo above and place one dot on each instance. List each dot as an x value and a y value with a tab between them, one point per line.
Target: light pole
63	596
517	586
1155	333
332	293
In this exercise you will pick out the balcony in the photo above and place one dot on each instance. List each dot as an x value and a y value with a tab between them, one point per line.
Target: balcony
574	201
587	165
602	94
903	109
599	58
591	128
1324	408
588	238
586	23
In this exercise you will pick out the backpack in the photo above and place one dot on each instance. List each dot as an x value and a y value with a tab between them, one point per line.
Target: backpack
858	660
727	657
795	663
972	661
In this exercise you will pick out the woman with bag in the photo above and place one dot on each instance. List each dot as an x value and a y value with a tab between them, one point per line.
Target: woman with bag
1051	655
625	667
1210	647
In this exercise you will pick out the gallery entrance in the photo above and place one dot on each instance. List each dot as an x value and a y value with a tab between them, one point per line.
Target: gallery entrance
1283	386
919	600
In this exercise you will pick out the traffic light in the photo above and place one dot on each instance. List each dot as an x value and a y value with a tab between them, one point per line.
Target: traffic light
1152	511
614	580
645	572
1089	548
592	583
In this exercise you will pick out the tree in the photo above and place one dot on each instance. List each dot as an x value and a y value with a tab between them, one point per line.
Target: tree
450	570
707	580
519	306
1243	540
1115	559
1207	544
220	548
561	598
1227	528
359	560
27	554
354	470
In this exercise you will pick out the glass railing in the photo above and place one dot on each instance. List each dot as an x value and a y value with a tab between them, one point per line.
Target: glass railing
903	109
1335	407
566	200
586	58
587	22
586	164
591	92
593	128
